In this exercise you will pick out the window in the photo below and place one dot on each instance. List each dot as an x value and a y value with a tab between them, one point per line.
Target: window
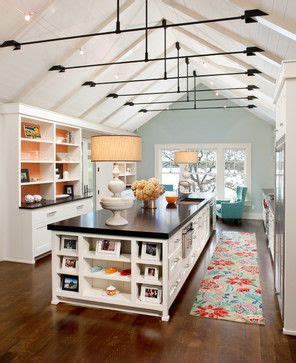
235	171
221	167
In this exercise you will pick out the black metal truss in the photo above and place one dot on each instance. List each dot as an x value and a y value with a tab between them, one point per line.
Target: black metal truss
248	16
249	51
116	95
249	98
249	72
144	110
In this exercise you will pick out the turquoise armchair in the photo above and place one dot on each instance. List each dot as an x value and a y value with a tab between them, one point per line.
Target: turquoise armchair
225	209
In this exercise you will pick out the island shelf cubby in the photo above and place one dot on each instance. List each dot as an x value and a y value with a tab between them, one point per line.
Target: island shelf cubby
143	291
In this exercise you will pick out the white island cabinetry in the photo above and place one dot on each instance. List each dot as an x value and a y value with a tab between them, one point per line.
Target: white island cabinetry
173	267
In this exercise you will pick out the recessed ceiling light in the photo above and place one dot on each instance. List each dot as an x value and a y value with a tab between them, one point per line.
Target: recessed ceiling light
204	64
212	83
217	93
81	51
116	76
28	16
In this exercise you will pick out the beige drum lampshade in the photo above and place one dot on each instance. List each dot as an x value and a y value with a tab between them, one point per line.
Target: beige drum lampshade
185	157
116	148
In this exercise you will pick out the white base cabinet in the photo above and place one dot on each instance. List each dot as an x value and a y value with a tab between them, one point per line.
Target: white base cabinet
30	237
173	269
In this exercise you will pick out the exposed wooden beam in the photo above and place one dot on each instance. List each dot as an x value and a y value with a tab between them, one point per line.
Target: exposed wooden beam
29	88
272	58
117	89
287	29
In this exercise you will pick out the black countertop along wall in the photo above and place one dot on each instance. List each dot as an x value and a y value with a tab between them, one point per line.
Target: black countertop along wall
47	203
162	222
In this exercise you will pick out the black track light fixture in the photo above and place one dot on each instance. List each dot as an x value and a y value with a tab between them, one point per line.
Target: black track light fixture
251	14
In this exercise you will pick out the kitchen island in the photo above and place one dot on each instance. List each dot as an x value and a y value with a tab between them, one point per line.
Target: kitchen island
159	247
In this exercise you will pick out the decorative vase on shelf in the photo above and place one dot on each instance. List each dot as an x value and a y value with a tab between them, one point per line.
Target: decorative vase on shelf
147	191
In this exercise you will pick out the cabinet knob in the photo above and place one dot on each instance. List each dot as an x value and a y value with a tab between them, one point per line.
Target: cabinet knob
176	259
177	240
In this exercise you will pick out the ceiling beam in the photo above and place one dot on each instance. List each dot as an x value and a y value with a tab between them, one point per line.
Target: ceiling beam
270	57
283	28
29	88
117	89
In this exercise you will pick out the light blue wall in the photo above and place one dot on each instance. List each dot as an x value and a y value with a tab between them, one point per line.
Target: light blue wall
213	126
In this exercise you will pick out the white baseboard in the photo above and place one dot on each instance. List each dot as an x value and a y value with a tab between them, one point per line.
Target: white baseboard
256	216
289	332
19	261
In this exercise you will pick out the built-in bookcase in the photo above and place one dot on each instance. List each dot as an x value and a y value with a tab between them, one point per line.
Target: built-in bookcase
128	172
57	149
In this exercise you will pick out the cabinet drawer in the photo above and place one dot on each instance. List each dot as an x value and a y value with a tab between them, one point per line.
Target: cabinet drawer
175	242
174	285
41	240
175	261
61	211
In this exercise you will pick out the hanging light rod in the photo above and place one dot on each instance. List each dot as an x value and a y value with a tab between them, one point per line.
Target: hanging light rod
116	95
144	110
249	51
249	17
249	72
249	98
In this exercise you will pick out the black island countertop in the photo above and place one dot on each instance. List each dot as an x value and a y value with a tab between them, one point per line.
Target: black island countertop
47	203
161	222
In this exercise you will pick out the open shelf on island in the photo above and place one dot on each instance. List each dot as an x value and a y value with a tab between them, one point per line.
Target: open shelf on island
66	293
149	305
67	272
124	257
68	253
104	276
142	280
100	295
148	262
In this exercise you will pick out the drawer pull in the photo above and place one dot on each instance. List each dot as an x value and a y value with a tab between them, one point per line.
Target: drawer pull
177	240
80	206
50	214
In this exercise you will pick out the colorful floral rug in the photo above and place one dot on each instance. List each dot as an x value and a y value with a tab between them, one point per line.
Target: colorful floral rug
231	288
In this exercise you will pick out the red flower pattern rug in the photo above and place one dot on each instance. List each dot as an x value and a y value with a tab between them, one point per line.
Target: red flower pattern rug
231	287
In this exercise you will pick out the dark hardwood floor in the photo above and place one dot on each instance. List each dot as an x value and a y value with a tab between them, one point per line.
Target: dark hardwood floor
32	330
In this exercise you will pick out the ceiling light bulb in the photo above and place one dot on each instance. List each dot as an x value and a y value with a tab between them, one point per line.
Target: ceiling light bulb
81	51
212	83
204	64
224	107
116	76
217	93
27	17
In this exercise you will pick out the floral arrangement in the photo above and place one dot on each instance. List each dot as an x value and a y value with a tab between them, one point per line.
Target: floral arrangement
147	190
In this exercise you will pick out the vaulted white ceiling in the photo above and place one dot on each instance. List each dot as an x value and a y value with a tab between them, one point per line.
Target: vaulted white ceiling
25	77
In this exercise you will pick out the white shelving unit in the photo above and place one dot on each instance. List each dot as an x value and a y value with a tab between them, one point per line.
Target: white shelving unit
173	270
40	156
128	172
